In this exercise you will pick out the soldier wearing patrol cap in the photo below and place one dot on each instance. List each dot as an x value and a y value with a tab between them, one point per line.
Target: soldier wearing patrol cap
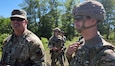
56	47
22	48
92	49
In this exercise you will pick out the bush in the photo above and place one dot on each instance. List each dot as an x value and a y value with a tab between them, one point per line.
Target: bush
45	42
2	37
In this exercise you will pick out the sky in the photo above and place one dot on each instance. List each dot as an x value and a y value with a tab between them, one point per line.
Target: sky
6	7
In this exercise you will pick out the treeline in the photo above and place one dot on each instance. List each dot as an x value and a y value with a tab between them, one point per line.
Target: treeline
45	15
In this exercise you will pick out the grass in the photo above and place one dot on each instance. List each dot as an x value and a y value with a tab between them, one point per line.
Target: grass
112	42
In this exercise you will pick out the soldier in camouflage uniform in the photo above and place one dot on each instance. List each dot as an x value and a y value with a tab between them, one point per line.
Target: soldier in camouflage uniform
56	47
92	49
22	48
63	36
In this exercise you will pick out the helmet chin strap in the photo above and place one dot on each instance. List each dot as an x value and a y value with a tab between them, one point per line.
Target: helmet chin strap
83	25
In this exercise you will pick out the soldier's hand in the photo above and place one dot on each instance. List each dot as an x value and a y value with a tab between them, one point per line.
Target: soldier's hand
59	51
54	48
72	48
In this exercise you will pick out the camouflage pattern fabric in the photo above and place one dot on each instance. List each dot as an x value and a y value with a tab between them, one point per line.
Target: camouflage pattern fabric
25	50
56	55
56	42
64	39
102	54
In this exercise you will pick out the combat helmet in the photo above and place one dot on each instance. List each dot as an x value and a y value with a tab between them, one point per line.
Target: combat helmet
94	9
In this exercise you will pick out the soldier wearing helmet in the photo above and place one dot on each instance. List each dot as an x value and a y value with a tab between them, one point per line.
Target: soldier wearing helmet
92	49
56	47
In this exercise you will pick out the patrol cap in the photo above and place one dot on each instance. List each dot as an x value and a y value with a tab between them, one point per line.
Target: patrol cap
19	13
94	9
57	29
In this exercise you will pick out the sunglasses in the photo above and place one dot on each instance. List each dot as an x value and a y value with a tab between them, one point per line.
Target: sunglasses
16	19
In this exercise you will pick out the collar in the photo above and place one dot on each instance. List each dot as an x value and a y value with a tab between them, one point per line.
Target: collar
93	42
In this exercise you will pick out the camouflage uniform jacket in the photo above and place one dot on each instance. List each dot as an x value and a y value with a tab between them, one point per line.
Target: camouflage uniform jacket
23	50
56	42
64	39
100	53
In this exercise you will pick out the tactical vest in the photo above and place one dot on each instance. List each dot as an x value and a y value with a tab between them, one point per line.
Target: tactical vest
89	57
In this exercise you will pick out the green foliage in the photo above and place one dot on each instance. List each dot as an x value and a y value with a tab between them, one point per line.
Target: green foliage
2	37
44	42
67	20
5	26
45	15
46	25
68	42
105	27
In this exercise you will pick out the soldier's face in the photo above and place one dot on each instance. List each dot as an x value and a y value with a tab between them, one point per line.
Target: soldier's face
78	25
82	23
18	24
56	32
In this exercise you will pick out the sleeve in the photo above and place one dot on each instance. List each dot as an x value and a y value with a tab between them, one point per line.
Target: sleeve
64	38
108	59
50	43
69	58
64	47
37	53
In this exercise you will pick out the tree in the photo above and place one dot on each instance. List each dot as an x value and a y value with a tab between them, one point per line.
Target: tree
110	17
5	26
46	26
67	20
5	29
35	10
40	12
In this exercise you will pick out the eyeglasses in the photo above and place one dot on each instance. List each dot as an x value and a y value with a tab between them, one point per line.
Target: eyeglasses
16	19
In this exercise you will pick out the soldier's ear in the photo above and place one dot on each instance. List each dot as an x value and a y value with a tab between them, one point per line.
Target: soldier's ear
93	21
